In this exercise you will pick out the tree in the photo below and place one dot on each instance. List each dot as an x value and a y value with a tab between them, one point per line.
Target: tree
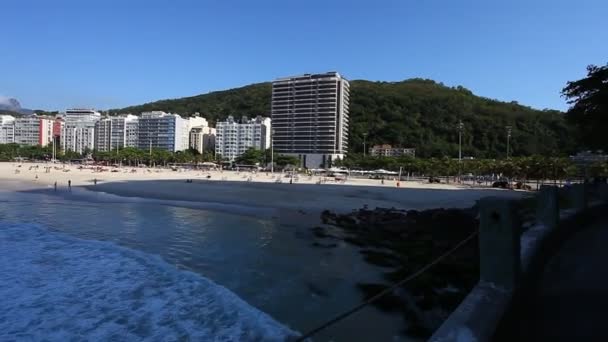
412	113
252	156
283	160
588	98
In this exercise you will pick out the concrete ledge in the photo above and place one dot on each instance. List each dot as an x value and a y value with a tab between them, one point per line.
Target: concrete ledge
480	314
530	242
477	317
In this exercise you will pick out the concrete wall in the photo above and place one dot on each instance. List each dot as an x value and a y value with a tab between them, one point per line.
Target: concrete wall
511	260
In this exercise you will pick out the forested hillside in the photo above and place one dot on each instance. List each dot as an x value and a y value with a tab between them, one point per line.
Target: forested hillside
413	113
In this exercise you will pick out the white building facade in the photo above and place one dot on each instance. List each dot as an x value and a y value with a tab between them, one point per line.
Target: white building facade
115	133
7	129
163	131
202	139
27	130
310	117
46	131
78	131
234	138
386	150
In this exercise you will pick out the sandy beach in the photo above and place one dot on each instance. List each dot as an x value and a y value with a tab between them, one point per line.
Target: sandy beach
245	188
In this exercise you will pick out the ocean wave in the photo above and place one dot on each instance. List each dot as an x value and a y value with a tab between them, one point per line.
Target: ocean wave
59	288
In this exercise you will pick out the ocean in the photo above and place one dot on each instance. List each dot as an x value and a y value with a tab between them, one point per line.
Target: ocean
96	267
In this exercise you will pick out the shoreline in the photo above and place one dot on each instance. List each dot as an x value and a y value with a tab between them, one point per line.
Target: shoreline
230	191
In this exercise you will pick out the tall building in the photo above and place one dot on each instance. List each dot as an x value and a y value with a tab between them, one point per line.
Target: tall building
33	130
197	121
117	132
7	129
58	127
163	131
232	138
310	117
27	130
202	139
78	133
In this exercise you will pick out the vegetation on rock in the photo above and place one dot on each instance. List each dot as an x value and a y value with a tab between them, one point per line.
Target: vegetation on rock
414	113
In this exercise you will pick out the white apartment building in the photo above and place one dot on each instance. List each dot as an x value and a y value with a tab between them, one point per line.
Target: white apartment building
310	117
46	131
7	129
163	131
386	150
202	139
197	121
78	131
27	130
233	138
118	132
33	130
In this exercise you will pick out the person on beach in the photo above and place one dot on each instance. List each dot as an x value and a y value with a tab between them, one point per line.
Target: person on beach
94	181
70	184
55	185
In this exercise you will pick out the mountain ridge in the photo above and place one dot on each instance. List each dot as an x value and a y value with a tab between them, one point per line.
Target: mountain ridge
8	105
418	113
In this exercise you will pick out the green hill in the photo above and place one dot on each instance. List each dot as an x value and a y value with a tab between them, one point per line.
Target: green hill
413	113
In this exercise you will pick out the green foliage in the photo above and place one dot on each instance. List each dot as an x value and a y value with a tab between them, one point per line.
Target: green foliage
414	113
126	156
252	156
283	160
533	167
425	115
589	110
134	156
9	152
250	100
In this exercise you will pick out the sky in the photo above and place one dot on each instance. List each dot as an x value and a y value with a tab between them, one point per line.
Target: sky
58	54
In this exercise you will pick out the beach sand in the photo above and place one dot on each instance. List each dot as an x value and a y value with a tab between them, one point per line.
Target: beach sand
246	189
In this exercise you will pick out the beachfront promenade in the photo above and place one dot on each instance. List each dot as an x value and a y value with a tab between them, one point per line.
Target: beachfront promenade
544	281
570	301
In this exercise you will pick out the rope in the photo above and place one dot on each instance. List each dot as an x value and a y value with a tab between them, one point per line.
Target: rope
372	299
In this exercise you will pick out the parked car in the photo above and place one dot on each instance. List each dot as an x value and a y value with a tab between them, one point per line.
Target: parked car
522	186
502	183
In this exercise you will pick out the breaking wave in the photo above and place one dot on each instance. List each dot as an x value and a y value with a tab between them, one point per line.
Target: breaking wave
59	288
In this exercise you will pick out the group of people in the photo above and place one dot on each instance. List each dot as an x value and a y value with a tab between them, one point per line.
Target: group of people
69	185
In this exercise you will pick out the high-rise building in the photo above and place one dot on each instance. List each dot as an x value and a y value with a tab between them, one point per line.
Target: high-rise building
58	127
197	121
117	132
27	130
78	133
33	130
310	117
163	131
202	139
232	138
7	129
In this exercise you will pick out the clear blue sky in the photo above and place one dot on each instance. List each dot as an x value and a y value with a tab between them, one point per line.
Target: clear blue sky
110	53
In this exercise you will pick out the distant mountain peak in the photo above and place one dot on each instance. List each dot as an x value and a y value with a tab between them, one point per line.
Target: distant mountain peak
13	105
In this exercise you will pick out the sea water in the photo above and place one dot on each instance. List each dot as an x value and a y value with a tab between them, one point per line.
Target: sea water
135	270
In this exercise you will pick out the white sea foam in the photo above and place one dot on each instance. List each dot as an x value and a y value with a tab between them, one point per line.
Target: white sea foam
59	288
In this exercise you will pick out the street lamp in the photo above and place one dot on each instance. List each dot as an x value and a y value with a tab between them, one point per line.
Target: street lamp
364	141
509	130
272	151
460	128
